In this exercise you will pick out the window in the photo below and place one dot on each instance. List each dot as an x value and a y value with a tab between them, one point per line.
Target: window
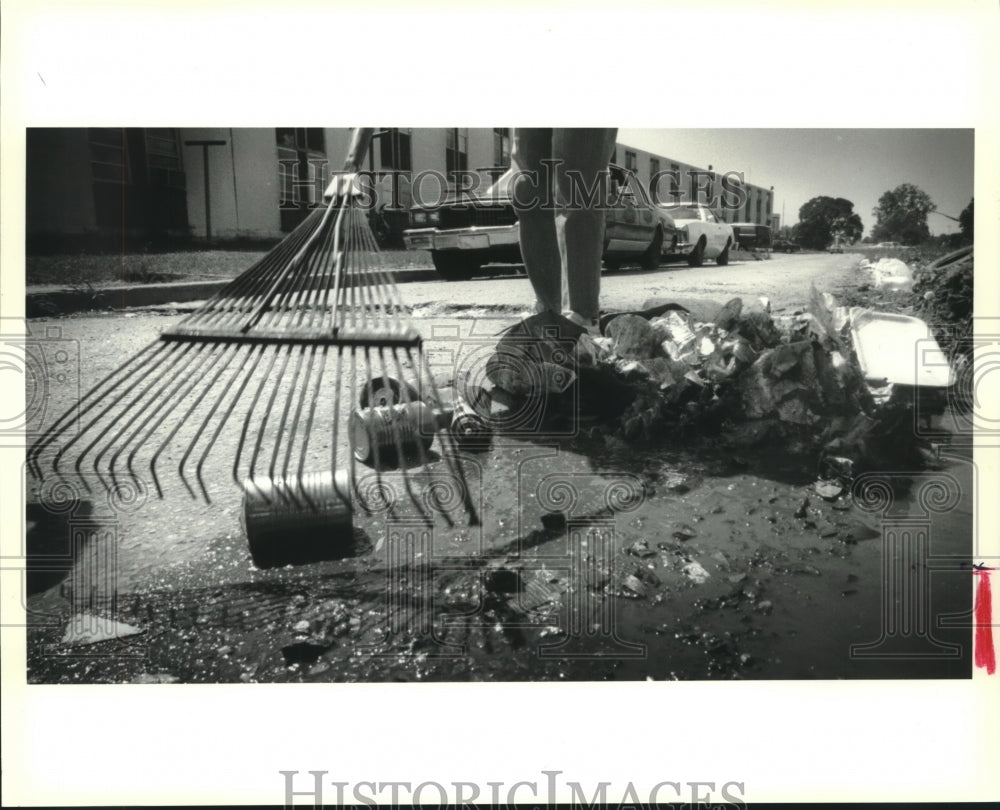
308	139
614	154
107	155
749	202
501	147
675	180
138	179
163	158
654	169
631	162
456	154
758	218
396	150
301	151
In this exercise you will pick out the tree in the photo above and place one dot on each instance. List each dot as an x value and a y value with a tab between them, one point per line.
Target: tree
824	218
966	220
901	215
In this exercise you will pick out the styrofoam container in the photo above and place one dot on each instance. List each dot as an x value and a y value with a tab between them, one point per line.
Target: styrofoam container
899	349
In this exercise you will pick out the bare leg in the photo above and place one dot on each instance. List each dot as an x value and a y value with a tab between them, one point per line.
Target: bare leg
533	202
583	155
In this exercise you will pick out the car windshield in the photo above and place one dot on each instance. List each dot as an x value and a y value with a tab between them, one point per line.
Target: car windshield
684	212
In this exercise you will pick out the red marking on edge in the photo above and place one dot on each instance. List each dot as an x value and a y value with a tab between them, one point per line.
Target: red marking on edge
983	642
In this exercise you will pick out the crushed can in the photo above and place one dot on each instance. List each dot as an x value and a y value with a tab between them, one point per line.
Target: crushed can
378	433
468	426
383	391
294	520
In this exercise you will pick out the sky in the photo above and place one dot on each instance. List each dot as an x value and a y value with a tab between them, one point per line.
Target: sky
856	164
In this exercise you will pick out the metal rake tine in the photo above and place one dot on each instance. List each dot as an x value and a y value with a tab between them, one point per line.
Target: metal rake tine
298	415
418	433
250	411
337	293
379	290
335	439
222	423
272	266
310	418
285	353
97	392
289	396
369	425
453	459
352	383
263	306
164	407
145	373
397	439
184	419
326	260
365	291
159	401
244	289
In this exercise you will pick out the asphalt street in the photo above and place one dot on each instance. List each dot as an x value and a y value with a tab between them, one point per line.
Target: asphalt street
801	591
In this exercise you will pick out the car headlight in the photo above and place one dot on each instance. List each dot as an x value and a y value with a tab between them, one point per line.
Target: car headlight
684	235
419	218
433	217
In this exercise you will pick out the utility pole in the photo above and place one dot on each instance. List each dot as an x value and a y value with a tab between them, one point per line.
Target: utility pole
208	198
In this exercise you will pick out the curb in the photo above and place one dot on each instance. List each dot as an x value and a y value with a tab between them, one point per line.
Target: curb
65	302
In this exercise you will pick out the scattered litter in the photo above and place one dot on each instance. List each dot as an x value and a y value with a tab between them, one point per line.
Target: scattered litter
890	274
684	532
641	549
161	677
632	584
696	573
828	490
85	628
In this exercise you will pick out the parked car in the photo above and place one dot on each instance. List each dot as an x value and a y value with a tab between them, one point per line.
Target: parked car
465	234
785	246
751	236
701	234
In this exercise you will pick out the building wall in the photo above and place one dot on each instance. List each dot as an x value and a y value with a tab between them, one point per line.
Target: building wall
246	178
59	198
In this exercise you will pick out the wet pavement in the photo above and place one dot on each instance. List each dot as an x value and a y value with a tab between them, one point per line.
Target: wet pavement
594	559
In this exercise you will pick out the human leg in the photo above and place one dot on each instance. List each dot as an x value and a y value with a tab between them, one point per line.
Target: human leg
581	155
532	201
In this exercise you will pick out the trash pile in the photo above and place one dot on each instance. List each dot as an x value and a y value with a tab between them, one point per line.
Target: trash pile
889	274
943	293
796	390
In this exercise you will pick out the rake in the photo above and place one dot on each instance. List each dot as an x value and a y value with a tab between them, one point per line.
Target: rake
312	333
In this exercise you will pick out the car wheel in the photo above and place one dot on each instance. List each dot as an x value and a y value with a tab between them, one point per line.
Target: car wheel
723	258
696	258
651	258
454	265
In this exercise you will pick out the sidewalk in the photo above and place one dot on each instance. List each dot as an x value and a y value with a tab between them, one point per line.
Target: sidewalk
51	300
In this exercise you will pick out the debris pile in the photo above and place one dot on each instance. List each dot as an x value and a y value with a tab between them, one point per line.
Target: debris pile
943	295
791	387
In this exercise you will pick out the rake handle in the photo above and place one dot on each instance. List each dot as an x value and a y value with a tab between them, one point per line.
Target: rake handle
357	149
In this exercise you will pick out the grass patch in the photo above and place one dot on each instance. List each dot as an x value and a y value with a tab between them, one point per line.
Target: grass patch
86	270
